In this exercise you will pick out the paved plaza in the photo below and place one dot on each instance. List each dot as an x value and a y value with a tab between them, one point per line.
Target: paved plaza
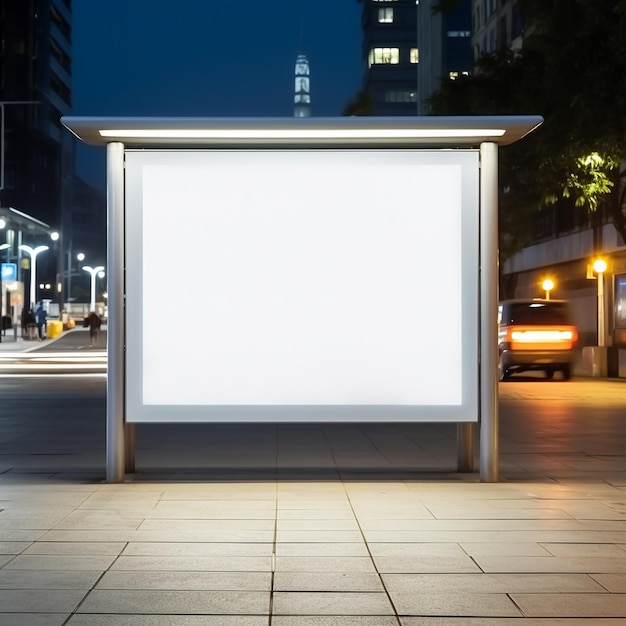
337	525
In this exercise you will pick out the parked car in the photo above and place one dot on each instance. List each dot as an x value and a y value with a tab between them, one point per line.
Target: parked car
536	334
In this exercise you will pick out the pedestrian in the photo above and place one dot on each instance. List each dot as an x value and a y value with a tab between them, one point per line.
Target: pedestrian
41	318
94	323
29	324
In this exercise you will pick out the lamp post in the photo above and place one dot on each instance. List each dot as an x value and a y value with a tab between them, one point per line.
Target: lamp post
94	271
547	285
3	246
33	252
599	267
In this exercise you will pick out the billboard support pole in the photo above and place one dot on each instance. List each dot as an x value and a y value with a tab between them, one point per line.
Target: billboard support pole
116	455
465	446
488	373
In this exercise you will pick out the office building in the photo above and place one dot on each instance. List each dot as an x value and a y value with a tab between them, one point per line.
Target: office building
408	49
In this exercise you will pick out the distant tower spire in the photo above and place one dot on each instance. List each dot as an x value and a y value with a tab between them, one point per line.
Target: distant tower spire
302	97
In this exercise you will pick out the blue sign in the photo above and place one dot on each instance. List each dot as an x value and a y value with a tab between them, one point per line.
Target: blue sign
9	271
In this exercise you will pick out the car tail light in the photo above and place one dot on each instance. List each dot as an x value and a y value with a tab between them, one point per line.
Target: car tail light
542	337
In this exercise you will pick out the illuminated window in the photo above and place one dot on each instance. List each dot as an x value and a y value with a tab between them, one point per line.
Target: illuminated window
455	75
382	56
415	55
385	16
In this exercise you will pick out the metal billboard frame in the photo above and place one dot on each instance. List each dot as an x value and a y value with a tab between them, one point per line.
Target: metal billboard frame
485	133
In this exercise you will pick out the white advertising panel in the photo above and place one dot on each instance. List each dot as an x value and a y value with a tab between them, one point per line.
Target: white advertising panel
302	285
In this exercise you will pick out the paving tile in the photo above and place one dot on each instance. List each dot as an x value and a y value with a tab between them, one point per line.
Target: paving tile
209	510
569	605
75	548
30	522
207	525
44	601
308	564
193	564
308	503
584	549
192	581
33	619
555	564
615	583
426	565
505	549
331	604
417	550
11	535
491	583
327	581
180	536
317	525
176	602
334	620
449	604
13	547
322	549
198	549
48	579
98	520
504	621
69	562
322	536
166	620
318	514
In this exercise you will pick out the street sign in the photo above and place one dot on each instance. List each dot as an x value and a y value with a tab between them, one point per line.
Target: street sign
9	271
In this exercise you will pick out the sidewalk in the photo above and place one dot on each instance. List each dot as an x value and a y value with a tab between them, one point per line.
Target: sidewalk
312	525
12	343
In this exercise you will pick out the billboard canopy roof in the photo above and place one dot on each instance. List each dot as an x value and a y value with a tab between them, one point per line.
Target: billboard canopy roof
338	132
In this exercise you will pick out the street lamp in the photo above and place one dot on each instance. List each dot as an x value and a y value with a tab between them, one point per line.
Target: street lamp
94	271
547	285
599	267
3	246
33	252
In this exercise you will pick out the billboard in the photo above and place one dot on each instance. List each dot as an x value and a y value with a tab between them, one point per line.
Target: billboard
318	285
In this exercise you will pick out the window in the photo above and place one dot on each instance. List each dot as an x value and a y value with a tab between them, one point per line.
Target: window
414	55
455	75
381	56
385	16
458	33
620	300
400	96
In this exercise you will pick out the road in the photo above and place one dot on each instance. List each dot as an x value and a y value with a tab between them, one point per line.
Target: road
71	354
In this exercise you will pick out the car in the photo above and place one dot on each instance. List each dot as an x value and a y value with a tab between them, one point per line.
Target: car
536	334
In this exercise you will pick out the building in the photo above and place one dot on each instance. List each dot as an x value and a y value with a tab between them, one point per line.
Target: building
408	49
35	90
565	241
496	24
37	154
302	94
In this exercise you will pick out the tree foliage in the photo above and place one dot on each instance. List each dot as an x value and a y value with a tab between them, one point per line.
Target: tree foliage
570	70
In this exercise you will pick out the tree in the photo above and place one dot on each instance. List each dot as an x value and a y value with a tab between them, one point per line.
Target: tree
362	104
569	71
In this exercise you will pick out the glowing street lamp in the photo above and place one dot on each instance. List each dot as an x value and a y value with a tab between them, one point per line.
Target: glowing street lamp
33	252
94	271
547	285
599	267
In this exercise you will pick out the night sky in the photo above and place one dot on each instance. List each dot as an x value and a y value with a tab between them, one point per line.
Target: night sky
212	58
227	58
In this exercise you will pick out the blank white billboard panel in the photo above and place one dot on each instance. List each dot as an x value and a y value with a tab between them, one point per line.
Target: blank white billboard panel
302	285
